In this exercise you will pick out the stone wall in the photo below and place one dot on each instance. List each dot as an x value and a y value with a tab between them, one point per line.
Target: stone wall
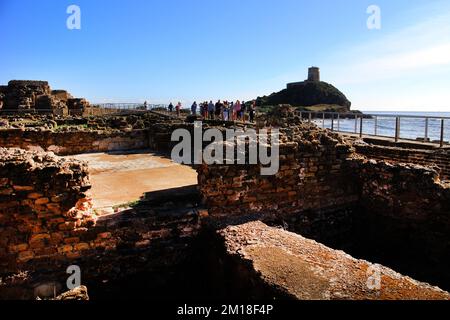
323	190
311	189
403	220
74	142
43	205
47	224
62	95
388	212
437	157
73	135
22	95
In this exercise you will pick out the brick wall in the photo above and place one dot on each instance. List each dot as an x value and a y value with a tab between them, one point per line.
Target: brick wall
310	191
437	157
403	219
74	142
43	205
47	224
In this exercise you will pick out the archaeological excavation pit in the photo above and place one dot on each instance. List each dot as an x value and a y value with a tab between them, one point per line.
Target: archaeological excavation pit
139	226
120	179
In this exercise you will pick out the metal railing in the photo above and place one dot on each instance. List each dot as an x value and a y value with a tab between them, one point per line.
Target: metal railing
130	106
379	125
122	108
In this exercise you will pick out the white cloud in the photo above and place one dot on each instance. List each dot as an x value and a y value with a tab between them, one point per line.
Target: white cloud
393	66
422	47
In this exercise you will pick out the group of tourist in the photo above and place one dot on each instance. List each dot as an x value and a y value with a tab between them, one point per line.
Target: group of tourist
177	108
225	111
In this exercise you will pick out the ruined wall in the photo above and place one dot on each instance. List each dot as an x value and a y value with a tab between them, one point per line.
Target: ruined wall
404	219
310	191
77	106
393	213
22	95
437	157
73	135
47	224
42	205
74	142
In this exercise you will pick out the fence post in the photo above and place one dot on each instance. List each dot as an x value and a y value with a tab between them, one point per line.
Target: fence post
310	117
397	129
426	129
339	122
356	123
442	133
376	125
323	120
332	122
361	127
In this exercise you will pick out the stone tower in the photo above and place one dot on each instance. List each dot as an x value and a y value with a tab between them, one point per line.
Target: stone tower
314	74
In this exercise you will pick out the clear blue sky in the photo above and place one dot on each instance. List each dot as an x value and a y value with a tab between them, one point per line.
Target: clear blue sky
161	50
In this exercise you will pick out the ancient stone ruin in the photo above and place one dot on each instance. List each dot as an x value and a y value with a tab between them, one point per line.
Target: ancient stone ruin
237	233
26	95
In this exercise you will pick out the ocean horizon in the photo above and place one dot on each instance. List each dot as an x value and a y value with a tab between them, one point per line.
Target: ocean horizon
410	128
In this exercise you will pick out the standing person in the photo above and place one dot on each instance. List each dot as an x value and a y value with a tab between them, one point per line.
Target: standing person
206	107
178	108
211	109
145	105
218	110
203	110
194	108
226	108
243	111
237	110
171	107
252	111
231	113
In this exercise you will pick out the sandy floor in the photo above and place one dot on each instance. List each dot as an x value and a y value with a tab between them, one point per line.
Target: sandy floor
118	178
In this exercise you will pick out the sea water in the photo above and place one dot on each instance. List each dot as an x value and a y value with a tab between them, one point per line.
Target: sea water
410	128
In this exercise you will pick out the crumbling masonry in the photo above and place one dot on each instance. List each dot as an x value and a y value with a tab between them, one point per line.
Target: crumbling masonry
325	190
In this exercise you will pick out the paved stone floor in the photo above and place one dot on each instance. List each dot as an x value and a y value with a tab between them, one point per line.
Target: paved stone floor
121	177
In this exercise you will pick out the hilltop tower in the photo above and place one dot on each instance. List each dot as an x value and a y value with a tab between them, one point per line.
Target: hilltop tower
314	74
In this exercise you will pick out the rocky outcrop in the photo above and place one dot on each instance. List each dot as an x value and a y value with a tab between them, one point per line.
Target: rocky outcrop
306	94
